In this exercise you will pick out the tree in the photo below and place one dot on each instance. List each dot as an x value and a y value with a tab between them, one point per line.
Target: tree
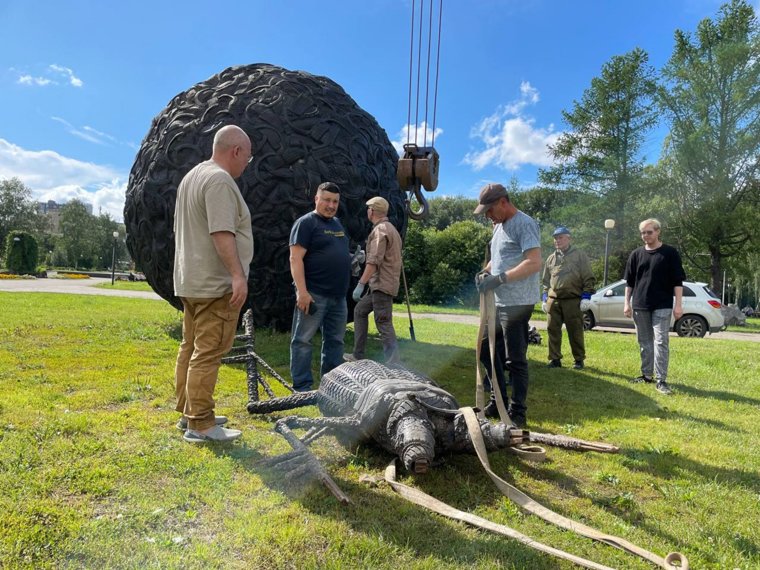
441	265
21	253
80	234
18	211
602	151
446	210
106	226
711	97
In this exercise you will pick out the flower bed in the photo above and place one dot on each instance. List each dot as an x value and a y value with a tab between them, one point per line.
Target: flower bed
69	276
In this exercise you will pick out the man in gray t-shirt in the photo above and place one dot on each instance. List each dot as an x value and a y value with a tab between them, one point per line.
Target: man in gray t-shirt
513	274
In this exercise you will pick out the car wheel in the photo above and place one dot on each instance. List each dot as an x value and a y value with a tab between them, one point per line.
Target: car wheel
588	320
691	325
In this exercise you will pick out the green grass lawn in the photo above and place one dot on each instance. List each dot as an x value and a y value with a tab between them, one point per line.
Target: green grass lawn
93	472
126	286
752	326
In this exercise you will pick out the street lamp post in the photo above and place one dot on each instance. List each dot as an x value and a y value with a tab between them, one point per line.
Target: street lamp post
113	258
608	225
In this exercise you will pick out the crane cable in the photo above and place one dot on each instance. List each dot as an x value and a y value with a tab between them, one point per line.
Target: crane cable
431	159
427	70
419	165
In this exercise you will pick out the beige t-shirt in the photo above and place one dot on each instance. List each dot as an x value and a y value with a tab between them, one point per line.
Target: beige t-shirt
208	201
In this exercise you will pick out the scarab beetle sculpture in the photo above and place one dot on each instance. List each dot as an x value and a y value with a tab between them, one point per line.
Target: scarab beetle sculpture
404	412
410	416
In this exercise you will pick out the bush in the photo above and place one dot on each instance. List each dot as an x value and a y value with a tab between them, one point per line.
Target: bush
21	253
440	265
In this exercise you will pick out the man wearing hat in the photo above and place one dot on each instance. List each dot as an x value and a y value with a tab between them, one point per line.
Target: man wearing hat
568	285
381	272
512	273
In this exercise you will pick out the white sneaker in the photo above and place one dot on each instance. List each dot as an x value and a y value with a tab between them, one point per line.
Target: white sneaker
182	422
348	357
216	434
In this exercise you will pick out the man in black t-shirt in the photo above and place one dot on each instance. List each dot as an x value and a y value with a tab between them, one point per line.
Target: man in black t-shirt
654	276
320	264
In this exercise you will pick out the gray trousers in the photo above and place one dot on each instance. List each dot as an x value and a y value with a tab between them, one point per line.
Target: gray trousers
381	304
652	329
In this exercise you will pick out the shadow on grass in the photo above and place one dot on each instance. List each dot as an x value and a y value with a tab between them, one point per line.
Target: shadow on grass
174	331
375	510
716	394
559	397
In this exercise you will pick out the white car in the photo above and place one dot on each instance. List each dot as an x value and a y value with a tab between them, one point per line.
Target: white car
701	310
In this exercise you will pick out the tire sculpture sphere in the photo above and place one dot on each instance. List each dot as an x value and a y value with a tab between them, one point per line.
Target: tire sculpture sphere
304	130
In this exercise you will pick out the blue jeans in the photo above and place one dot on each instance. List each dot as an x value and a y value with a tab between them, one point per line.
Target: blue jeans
330	319
514	322
652	329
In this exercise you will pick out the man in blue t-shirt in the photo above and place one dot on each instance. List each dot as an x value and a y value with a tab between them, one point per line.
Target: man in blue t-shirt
513	275
320	264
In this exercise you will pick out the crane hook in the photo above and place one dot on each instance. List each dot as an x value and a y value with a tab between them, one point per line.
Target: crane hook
418	168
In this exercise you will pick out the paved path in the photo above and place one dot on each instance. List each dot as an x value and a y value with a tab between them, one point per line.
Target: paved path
76	286
541	325
87	287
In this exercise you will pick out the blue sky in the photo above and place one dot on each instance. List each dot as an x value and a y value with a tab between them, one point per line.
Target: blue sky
81	80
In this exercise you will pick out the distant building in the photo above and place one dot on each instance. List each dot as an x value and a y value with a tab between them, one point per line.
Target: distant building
52	210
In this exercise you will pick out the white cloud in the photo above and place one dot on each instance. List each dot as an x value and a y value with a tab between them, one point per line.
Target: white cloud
29	80
421	134
68	73
49	76
52	176
86	133
510	137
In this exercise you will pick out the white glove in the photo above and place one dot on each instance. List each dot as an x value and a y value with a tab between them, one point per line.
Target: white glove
544	308
357	260
358	290
585	305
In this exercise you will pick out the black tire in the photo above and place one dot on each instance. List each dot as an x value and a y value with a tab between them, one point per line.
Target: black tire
691	326
588	320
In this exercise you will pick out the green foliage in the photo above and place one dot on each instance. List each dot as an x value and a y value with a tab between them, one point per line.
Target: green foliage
18	211
440	265
21	253
447	210
59	258
602	151
79	229
546	204
711	97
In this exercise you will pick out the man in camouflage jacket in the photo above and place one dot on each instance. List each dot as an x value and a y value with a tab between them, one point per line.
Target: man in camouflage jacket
567	284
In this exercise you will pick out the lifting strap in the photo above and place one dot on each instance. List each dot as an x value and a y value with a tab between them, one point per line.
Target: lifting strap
424	500
488	322
531	506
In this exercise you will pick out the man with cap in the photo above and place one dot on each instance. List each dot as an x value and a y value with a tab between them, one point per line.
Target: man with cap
513	275
320	264
568	286
381	273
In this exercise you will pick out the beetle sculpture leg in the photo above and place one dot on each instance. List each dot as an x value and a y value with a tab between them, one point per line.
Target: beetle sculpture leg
301	463
297	400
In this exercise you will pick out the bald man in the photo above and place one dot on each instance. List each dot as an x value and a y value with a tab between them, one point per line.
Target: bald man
213	253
